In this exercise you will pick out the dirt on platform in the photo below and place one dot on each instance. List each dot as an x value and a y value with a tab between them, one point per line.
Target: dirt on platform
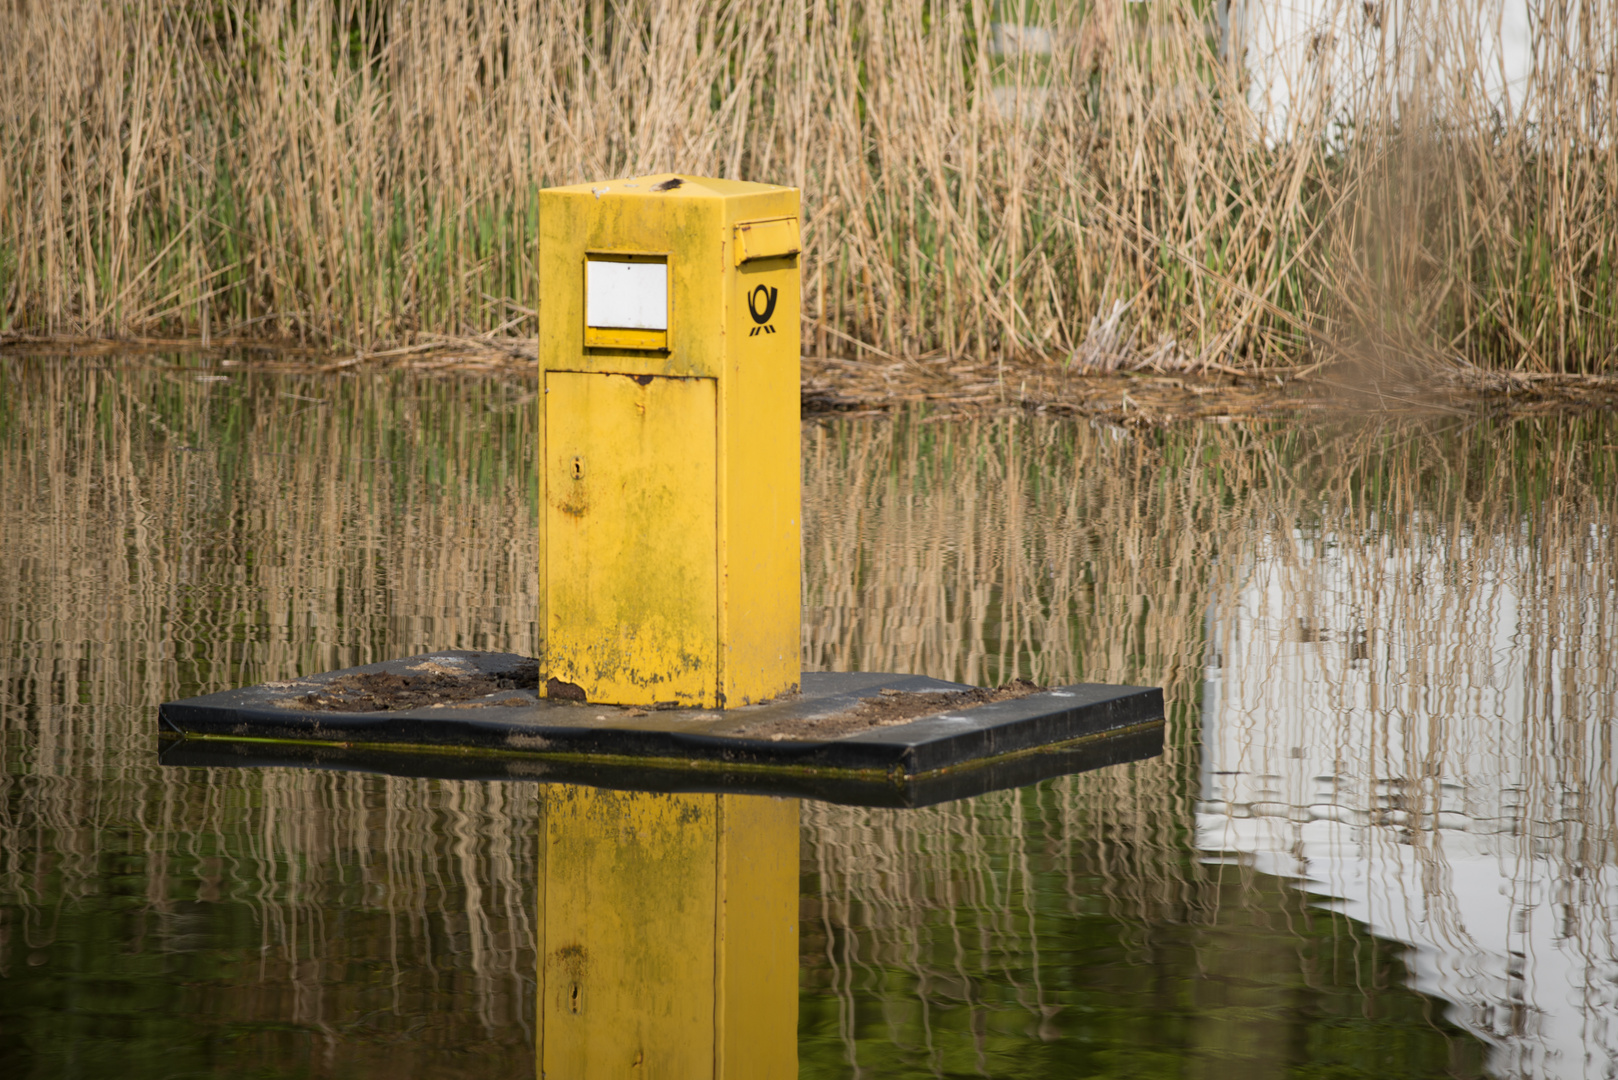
888	708
429	685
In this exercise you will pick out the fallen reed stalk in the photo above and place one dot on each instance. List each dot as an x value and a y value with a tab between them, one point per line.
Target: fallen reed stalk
1100	183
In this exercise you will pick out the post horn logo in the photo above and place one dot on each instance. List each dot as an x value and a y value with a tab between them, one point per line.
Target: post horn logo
761	303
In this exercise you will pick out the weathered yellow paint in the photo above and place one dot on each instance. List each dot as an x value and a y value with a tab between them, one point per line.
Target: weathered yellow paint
630	523
668	936
733	314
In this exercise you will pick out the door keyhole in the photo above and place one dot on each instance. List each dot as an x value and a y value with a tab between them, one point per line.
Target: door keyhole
578	468
573	1000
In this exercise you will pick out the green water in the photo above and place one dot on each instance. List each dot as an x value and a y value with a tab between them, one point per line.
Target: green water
1431	602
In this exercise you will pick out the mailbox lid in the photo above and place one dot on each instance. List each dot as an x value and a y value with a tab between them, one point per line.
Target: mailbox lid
775	238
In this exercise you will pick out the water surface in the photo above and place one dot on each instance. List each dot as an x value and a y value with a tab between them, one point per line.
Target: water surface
1380	842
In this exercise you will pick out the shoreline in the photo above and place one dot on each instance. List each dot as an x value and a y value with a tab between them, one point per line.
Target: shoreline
848	387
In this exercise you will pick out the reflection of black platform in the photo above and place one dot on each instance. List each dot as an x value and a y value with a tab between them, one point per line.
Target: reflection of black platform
854	789
943	756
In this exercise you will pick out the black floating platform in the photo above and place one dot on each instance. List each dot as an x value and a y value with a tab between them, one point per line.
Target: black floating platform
947	755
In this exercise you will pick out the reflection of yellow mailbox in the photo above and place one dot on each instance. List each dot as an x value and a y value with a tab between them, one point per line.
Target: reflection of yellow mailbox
668	935
668	347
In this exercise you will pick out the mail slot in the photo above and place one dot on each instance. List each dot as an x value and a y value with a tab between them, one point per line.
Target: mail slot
668	350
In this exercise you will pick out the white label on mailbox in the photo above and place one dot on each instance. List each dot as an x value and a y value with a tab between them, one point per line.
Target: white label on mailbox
626	295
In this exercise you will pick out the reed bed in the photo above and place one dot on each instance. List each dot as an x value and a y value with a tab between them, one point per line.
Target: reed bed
1098	184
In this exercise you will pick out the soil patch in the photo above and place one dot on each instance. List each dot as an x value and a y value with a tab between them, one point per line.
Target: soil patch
888	708
430	684
434	684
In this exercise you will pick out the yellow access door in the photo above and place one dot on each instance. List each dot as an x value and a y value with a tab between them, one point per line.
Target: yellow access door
630	532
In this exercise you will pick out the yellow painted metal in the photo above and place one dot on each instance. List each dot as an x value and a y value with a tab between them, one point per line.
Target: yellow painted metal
733	318
668	936
629	519
623	338
760	615
772	239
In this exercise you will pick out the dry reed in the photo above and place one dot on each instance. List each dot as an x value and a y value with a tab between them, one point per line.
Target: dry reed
1104	190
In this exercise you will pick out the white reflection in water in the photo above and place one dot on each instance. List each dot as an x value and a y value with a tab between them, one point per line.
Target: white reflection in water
1420	726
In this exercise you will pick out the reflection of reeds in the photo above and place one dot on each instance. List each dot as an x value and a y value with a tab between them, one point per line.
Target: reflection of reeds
163	536
1414	712
1435	650
357	172
1064	552
982	551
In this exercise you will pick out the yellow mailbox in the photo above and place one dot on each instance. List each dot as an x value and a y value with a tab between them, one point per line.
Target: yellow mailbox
668	935
669	531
